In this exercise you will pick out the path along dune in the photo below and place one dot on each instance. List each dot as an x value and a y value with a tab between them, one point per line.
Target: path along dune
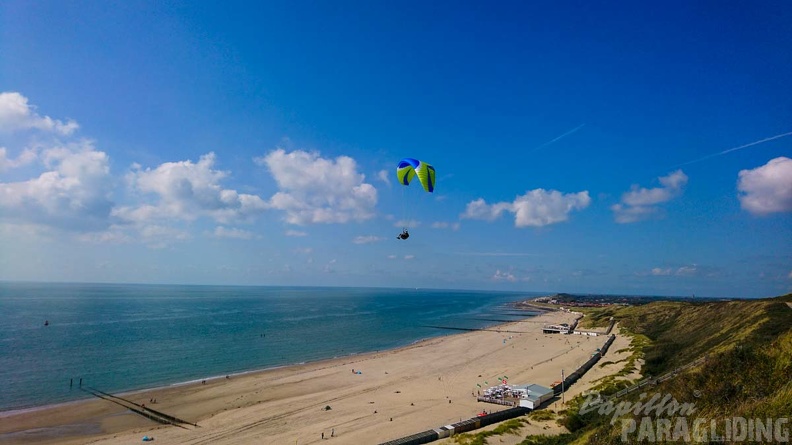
397	393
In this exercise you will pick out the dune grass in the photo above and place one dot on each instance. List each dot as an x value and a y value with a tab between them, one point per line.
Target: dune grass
746	346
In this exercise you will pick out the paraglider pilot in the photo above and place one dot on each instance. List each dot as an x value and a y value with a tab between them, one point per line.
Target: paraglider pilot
403	235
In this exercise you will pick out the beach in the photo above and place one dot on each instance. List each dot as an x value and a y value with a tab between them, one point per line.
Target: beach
362	399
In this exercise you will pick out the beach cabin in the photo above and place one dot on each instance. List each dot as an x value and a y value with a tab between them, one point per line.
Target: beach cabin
534	395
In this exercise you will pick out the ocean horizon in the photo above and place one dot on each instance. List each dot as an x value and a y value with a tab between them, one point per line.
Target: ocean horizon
129	337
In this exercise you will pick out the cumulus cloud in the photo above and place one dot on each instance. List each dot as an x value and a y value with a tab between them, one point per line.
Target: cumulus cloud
318	190
385	176
767	189
17	115
187	191
28	156
159	236
73	188
74	184
113	235
536	208
234	233
641	203
73	193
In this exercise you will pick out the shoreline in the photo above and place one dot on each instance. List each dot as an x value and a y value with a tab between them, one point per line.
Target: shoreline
133	392
434	371
513	304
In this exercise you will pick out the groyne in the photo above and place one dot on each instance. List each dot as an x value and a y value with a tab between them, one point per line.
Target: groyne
151	414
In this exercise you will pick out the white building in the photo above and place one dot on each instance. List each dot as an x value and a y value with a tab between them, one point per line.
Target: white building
534	395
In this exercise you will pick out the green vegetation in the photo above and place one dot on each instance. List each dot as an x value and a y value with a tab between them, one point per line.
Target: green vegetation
561	439
542	415
596	318
746	352
508	427
679	332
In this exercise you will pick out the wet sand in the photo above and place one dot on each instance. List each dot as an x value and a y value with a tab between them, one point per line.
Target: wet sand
397	393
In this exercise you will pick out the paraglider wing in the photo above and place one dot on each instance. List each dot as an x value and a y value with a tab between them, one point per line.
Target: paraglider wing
409	168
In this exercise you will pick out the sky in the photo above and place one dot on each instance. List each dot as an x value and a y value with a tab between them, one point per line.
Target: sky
631	148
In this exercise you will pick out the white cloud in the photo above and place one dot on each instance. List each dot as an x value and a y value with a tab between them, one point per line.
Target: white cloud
385	176
159	237
405	257
682	271
407	223
479	209
113	235
444	225
295	233
17	115
188	191
366	239
73	193
234	233
641	203
329	267
318	190
767	189
504	276
628	214
27	156
536	208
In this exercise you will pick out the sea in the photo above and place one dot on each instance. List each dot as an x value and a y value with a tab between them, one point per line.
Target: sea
124	337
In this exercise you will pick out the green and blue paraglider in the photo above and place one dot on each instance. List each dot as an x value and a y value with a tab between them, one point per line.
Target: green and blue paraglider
407	170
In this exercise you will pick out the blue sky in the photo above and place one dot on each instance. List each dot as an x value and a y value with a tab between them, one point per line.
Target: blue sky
625	148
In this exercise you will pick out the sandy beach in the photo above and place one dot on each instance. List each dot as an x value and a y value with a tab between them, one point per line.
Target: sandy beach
390	394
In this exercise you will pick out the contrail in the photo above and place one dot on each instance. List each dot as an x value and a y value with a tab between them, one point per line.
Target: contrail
778	136
562	136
